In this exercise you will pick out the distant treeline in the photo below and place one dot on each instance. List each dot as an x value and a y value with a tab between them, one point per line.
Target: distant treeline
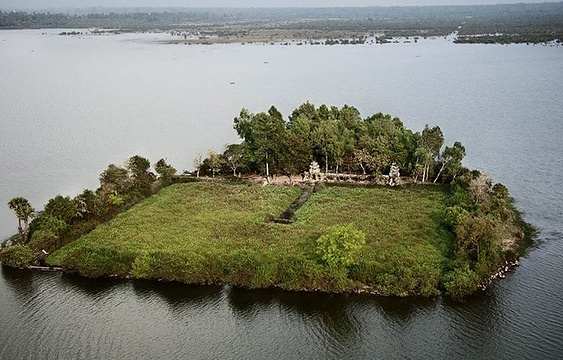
520	23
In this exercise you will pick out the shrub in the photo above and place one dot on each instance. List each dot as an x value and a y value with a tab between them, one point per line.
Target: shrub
339	247
43	240
96	262
18	256
460	282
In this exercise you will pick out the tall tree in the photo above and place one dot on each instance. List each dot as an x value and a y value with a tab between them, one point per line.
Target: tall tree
24	212
451	159
142	179
262	132
324	137
431	142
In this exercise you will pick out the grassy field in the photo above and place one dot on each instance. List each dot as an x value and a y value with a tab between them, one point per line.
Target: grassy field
218	233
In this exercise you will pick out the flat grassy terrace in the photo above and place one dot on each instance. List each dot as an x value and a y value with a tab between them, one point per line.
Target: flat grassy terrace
218	233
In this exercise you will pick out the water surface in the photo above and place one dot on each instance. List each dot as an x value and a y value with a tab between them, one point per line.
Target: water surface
72	105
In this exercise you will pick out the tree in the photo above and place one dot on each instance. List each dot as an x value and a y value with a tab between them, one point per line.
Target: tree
339	247
62	208
198	162
234	154
305	111
479	188
165	171
324	137
294	156
261	132
477	239
24	212
361	156
214	162
141	178
115	178
88	204
451	159
431	142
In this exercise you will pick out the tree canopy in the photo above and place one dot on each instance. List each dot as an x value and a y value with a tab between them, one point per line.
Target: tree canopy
340	140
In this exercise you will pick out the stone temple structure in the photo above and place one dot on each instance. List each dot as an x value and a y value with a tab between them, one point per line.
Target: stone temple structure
394	175
314	171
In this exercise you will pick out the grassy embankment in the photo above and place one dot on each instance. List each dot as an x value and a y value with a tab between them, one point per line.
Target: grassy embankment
217	233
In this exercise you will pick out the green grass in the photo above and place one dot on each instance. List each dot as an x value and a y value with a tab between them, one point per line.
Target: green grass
217	233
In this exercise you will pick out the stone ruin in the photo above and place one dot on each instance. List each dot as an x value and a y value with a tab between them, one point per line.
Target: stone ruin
314	173
394	175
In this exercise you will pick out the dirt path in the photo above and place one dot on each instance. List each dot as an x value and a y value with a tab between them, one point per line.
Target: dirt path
287	216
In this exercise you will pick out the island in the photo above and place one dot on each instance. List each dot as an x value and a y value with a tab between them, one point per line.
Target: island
323	200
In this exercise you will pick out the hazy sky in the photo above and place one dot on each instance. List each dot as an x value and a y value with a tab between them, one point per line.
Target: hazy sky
43	4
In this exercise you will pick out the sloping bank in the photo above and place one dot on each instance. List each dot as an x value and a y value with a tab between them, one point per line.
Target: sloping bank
203	233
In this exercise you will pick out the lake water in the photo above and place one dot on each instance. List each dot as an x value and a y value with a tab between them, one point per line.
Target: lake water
71	105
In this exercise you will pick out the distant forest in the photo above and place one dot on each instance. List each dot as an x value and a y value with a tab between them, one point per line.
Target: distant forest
514	23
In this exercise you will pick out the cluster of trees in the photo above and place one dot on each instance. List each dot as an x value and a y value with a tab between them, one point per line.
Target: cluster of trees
64	219
339	139
487	228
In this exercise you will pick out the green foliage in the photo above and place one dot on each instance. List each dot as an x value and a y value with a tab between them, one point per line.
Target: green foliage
460	282
140	176
334	138
47	233
165	171
62	208
340	246
487	231
89	205
18	255
116	200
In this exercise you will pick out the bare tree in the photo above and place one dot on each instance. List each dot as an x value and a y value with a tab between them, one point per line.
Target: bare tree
198	162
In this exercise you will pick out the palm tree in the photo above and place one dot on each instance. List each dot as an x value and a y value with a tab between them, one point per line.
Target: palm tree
24	212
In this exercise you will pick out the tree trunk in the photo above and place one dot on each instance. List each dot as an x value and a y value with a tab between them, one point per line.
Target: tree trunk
439	172
20	230
363	169
326	163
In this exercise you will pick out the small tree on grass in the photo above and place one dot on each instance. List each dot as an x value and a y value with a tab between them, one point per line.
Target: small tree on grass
339	247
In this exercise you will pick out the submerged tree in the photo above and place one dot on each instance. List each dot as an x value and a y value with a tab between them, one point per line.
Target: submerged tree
24	212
